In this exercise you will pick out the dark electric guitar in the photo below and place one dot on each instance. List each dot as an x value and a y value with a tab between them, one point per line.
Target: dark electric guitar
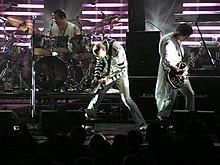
176	80
105	81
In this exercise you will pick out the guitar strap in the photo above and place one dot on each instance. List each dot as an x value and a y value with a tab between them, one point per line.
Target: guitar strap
110	56
180	49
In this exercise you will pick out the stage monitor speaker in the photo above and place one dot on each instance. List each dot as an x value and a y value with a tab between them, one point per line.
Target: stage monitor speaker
208	119
63	120
143	53
6	115
136	15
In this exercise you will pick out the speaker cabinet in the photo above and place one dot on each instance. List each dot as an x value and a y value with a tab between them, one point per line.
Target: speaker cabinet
136	15
62	120
184	120
142	92
142	51
6	115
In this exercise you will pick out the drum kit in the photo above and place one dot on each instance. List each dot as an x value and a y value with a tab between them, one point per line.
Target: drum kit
61	62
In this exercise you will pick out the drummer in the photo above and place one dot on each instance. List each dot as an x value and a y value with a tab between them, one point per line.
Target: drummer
62	27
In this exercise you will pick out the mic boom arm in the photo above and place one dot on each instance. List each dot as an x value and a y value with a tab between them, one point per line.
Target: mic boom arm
204	44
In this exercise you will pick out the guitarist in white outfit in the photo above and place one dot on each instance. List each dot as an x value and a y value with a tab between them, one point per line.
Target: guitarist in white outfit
111	69
171	53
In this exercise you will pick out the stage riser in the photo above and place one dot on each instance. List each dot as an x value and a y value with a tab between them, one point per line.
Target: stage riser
209	119
62	120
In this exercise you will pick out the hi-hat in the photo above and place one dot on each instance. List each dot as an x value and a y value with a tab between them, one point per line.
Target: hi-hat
22	25
109	20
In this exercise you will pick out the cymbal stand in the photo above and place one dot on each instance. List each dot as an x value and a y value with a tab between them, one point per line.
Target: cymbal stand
6	72
17	69
16	66
103	16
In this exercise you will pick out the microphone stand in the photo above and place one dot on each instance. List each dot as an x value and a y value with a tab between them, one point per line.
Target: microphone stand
33	88
204	44
103	17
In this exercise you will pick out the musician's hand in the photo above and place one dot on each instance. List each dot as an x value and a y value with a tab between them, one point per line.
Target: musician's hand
177	70
94	82
192	65
180	71
107	81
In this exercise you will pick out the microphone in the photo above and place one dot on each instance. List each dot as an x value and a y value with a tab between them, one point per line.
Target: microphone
13	3
93	3
4	19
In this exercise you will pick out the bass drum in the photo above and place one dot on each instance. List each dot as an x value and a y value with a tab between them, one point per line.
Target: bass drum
51	73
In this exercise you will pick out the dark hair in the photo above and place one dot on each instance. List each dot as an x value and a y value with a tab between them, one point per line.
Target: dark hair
60	13
184	30
96	48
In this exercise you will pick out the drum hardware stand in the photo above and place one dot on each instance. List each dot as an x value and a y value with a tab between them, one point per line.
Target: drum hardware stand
86	77
9	84
18	71
71	79
6	71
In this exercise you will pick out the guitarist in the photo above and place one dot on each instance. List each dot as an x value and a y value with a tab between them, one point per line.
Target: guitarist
171	54
111	69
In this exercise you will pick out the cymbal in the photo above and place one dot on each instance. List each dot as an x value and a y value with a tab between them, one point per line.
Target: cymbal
79	21
109	20
22	25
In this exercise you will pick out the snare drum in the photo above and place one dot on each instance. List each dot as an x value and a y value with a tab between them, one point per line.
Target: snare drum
41	45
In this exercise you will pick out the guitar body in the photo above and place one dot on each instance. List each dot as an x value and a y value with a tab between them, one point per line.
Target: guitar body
177	80
102	82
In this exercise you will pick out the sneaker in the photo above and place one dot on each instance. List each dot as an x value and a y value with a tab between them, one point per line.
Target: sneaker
89	128
143	128
90	113
162	118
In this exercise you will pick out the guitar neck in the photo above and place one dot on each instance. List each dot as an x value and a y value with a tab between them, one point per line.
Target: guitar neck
194	58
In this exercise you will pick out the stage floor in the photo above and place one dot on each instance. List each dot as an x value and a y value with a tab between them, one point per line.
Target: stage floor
113	117
109	130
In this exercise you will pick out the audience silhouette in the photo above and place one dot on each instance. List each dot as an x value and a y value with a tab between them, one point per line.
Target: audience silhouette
159	145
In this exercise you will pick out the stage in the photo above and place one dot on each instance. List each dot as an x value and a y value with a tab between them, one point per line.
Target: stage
66	108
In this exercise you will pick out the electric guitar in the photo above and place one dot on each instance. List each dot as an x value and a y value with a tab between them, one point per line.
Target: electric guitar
101	83
176	80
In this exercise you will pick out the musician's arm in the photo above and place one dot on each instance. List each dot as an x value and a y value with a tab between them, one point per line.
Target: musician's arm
77	30
121	58
171	58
